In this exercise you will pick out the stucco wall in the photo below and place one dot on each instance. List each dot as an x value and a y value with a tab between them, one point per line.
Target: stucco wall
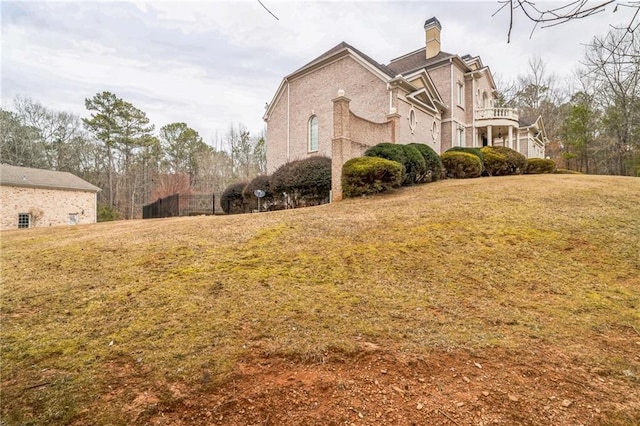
48	207
311	94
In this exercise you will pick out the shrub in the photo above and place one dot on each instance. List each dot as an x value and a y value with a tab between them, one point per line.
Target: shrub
460	165
435	170
259	182
516	162
106	213
475	151
566	172
415	167
370	175
305	182
232	201
540	165
495	164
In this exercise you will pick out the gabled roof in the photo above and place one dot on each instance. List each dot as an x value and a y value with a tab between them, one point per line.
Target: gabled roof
338	51
417	60
339	48
39	178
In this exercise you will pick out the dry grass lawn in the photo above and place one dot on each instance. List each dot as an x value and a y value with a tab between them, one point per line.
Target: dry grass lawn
95	317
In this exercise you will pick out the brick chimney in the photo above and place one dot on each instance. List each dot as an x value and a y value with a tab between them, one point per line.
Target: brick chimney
432	30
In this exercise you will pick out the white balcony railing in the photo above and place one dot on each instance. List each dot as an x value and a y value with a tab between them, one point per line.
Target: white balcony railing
492	113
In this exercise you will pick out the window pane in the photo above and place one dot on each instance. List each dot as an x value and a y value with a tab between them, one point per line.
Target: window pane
23	220
313	133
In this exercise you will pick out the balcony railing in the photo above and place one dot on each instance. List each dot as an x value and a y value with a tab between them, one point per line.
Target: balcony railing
490	113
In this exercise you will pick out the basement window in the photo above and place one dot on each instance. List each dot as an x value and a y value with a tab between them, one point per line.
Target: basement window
24	220
73	218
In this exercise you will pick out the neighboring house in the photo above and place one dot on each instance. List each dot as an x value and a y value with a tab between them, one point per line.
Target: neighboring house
38	198
343	102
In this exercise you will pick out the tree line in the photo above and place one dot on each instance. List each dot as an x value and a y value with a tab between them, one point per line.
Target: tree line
593	120
117	149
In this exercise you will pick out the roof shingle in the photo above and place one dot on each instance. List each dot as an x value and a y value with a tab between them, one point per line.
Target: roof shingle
39	178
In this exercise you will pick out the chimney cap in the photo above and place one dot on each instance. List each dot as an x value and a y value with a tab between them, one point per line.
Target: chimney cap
431	22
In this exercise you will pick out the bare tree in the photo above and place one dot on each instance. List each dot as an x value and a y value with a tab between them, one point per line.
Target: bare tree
565	11
612	66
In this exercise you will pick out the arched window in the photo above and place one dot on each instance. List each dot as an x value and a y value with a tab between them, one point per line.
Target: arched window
313	133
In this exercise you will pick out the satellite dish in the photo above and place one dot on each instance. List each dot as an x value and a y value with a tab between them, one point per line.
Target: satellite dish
259	193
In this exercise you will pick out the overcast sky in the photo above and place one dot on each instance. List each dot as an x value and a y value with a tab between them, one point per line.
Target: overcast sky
213	63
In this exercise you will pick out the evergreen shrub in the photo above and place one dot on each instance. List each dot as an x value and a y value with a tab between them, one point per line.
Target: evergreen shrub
305	182
540	165
370	175
516	162
435	170
232	201
248	193
461	165
413	162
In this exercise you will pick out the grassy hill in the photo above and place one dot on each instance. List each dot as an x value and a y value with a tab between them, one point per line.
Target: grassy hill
478	294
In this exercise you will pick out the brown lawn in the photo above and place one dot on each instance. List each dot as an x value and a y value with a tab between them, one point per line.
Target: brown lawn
510	300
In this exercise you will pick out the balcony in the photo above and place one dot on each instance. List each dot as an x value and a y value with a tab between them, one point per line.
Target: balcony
497	114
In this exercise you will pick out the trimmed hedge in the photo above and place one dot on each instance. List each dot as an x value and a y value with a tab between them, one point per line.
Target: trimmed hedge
259	182
540	165
232	201
516	163
461	165
435	170
415	167
566	172
370	175
495	164
475	151
306	182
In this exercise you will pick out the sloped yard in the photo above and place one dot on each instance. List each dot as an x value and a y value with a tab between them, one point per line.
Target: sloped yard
510	300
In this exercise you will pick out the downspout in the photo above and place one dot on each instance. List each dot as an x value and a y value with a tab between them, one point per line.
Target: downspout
453	102
288	125
473	111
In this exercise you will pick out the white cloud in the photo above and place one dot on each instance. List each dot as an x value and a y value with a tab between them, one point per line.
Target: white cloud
211	63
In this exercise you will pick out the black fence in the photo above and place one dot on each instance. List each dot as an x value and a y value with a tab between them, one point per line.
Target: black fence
180	205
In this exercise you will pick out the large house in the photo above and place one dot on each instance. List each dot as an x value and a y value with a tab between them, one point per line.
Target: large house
41	198
343	102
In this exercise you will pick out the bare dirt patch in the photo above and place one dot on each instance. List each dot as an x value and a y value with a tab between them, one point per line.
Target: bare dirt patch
378	386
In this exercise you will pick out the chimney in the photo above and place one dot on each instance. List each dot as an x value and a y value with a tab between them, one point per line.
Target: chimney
432	30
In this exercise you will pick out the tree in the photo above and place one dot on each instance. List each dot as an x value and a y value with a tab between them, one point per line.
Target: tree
566	11
579	130
57	131
20	145
181	145
124	130
612	66
103	124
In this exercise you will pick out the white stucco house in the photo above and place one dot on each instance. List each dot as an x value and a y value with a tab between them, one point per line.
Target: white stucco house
41	198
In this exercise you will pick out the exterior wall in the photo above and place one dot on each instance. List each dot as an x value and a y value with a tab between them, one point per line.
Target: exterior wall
311	94
48	207
423	131
277	134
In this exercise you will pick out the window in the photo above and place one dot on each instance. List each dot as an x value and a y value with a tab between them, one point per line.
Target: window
73	218
461	136
412	120
24	220
460	94
313	133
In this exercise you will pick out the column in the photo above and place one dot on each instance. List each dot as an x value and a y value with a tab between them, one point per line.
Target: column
489	136
510	137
